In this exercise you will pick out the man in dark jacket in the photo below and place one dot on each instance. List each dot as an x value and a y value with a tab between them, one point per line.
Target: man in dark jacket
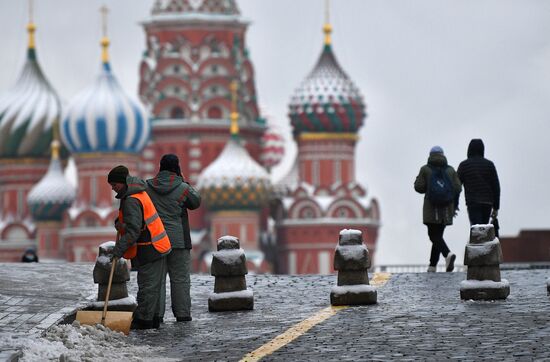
436	216
143	237
481	184
172	197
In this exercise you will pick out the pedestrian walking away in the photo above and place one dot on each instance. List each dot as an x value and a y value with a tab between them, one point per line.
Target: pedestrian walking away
142	239
441	188
173	197
481	184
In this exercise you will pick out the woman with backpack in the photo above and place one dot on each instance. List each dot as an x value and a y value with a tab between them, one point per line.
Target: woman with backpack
441	187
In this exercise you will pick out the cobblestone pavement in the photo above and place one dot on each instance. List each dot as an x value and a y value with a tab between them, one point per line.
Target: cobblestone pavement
418	317
35	296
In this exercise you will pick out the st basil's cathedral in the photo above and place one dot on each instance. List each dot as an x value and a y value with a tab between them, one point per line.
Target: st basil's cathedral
197	99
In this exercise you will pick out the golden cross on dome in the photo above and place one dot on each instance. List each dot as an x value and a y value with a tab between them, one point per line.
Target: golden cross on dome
327	28
104	10
30	26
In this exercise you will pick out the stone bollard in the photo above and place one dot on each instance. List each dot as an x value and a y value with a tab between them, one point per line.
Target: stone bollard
118	299
483	257
351	260
229	270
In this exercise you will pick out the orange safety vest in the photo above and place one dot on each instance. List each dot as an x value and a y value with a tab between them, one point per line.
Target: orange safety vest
159	238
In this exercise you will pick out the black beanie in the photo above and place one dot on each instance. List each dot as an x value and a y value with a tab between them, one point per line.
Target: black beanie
118	174
170	162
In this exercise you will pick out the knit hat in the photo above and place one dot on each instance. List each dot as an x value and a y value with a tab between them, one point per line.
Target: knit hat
170	162
118	174
436	149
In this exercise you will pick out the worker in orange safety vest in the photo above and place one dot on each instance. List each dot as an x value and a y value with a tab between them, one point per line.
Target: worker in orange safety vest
142	239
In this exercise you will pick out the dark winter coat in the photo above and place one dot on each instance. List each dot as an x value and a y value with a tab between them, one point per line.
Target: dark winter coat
430	213
172	197
134	225
479	177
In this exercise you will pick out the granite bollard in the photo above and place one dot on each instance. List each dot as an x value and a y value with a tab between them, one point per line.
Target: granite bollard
351	260
119	300
229	270
483	256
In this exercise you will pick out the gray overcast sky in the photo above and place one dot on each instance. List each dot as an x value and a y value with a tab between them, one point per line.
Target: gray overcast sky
432	72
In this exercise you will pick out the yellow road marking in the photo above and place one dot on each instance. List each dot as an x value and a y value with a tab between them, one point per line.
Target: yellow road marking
378	280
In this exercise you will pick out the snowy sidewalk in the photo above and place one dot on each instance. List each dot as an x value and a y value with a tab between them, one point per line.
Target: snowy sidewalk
35	296
419	316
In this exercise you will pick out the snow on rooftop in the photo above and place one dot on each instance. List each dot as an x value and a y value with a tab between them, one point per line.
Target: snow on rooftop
234	166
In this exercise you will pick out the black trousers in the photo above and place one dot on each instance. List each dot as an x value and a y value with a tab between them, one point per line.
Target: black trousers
435	232
479	213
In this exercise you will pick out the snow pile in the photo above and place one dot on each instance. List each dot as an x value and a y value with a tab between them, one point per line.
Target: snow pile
240	294
479	250
230	257
483	284
74	342
353	289
129	300
481	231
352	252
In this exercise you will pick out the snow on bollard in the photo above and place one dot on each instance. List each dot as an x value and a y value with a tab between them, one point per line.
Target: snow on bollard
351	260
118	299
229	270
483	257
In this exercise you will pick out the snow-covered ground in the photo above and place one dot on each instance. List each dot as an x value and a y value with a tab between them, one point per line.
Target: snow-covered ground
75	342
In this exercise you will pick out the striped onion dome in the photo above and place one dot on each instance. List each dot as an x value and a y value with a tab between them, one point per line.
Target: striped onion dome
327	100
234	180
28	111
53	194
103	118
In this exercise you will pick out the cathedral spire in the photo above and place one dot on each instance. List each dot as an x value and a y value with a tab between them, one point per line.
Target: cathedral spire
327	28
234	129
105	39
31	28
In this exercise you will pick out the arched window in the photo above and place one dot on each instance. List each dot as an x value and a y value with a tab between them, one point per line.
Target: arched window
214	112
307	213
177	113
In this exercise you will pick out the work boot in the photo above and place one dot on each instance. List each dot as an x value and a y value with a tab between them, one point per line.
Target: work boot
141	324
184	319
156	322
431	269
450	262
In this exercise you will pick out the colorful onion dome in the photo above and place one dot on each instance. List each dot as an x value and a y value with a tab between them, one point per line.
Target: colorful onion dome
196	8
53	194
103	118
273	148
327	100
28	111
234	180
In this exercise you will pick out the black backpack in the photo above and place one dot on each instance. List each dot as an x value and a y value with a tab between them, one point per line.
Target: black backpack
440	187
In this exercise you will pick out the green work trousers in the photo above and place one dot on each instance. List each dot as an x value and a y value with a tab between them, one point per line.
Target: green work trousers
149	279
178	267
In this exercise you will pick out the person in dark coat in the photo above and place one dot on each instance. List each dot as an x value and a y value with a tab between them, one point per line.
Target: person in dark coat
172	197
30	256
481	184
437	217
143	238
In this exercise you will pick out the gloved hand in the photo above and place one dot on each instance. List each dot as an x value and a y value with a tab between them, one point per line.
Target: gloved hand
494	214
119	226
